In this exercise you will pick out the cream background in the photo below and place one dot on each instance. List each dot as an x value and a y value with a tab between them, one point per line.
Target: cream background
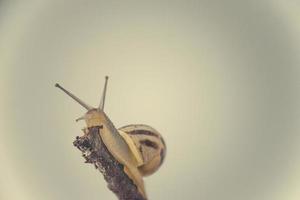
218	79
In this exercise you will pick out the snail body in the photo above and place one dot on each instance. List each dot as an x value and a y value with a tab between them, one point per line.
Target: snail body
140	148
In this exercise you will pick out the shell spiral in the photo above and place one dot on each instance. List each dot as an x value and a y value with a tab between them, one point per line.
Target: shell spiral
147	145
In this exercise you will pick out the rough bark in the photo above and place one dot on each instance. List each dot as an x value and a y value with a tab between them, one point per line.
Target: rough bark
95	152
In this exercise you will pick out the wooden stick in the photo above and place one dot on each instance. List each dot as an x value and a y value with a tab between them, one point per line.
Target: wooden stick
95	152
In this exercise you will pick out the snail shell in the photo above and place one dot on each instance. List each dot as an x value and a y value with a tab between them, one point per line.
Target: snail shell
147	146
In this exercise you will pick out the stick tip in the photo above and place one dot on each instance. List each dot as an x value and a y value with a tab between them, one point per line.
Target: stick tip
106	77
57	85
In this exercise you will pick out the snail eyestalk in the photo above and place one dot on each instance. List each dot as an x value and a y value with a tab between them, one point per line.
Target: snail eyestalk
101	105
80	118
74	97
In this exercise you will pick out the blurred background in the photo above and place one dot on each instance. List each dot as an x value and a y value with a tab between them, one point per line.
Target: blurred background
218	79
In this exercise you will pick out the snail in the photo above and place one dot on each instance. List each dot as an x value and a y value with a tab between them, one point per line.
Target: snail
140	148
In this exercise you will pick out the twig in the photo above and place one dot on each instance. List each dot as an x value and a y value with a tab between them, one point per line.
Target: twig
95	152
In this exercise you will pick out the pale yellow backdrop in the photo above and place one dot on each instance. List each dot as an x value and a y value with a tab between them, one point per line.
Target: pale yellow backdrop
218	79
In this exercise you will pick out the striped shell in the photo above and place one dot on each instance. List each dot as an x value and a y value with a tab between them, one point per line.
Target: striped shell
147	146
